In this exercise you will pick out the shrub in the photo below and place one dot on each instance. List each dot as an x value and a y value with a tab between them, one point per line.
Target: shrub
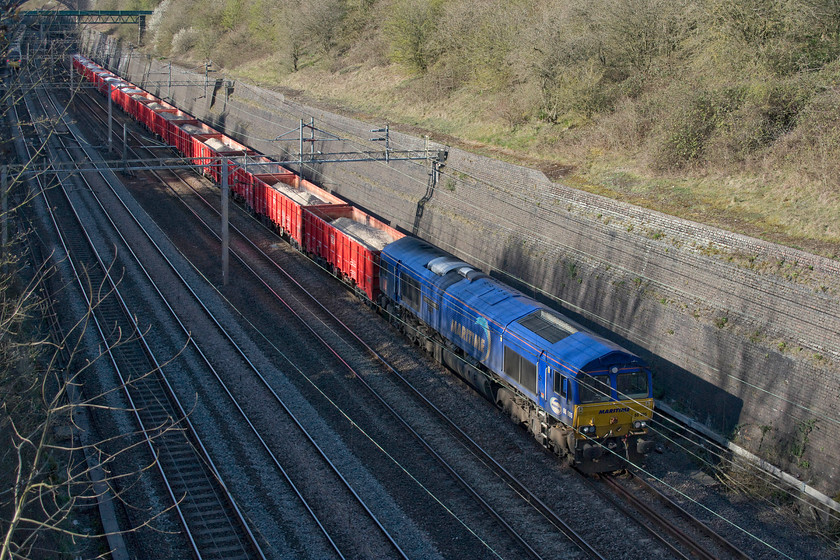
814	145
185	39
693	118
768	111
410	31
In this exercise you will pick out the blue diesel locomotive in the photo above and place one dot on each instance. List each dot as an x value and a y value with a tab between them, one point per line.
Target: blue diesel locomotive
579	394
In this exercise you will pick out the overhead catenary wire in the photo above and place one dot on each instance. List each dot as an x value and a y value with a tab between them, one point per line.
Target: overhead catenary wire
808	409
568	304
445	194
771	393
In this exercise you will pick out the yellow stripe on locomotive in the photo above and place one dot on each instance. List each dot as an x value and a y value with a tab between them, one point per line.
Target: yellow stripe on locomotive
612	419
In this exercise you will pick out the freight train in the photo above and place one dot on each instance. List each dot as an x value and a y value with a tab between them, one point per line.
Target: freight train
580	395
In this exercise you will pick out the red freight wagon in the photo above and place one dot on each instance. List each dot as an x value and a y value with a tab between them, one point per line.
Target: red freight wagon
159	117
112	84
117	95
89	69
187	134
138	107
350	241
211	148
125	97
244	168
103	79
99	77
172	119
80	66
277	198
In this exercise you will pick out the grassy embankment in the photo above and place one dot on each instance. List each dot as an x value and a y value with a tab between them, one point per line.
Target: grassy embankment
727	115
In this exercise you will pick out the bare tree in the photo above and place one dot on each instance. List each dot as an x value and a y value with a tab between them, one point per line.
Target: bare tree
50	467
51	474
322	19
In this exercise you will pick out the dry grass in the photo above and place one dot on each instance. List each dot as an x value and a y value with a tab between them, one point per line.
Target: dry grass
782	188
784	205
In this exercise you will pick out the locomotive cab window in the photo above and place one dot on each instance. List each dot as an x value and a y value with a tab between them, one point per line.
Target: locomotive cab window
594	389
632	385
561	385
410	291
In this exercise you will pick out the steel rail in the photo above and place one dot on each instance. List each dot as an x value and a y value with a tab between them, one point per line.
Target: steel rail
660	520
481	501
156	367
96	321
528	496
279	400
722	542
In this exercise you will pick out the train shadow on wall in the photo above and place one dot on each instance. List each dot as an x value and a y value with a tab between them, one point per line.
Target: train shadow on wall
708	403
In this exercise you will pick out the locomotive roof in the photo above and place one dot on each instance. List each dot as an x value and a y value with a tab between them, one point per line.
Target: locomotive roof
569	344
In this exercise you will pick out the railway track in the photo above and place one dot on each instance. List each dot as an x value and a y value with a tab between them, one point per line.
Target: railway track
697	538
342	545
554	520
522	542
697	551
212	523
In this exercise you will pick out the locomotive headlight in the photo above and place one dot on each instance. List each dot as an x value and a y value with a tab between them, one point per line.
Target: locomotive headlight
587	430
639	424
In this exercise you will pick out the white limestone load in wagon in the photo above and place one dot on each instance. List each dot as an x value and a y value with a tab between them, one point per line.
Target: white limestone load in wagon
155	105
219	146
173	116
139	97
192	129
256	165
252	163
302	197
369	236
265	167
